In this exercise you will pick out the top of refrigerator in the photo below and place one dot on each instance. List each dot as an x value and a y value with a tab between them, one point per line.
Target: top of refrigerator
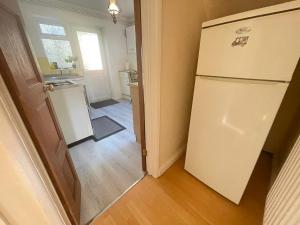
292	5
260	44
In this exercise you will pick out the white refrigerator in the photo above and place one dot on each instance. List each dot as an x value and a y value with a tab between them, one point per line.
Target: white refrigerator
246	62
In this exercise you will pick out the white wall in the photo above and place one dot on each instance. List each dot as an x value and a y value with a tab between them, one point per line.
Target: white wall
116	53
131	46
114	40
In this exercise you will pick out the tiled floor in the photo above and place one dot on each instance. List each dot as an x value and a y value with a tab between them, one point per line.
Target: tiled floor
108	167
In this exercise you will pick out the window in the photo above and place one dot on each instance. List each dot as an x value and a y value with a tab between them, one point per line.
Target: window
90	50
56	45
53	30
57	51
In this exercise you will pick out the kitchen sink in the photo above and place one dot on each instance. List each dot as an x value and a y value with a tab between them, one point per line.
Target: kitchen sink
59	83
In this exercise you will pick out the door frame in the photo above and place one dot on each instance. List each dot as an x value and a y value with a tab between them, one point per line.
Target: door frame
138	42
151	31
148	27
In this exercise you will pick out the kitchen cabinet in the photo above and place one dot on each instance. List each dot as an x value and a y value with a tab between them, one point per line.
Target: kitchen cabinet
130	37
71	109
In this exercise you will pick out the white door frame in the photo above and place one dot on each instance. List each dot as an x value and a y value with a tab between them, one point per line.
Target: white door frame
151	12
151	58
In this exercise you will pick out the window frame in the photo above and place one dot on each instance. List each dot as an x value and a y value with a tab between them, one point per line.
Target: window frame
66	37
54	25
60	56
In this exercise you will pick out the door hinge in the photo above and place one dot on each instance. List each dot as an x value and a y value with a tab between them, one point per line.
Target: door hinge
144	152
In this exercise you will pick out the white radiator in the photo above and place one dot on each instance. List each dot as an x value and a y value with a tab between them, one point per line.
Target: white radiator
283	200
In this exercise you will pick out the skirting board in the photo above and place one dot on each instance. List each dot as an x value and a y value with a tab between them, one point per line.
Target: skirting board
80	141
171	161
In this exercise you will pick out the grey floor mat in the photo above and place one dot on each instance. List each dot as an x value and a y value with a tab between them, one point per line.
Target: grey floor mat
104	127
108	102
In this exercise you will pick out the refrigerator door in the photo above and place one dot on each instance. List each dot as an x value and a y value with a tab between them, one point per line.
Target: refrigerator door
265	47
229	124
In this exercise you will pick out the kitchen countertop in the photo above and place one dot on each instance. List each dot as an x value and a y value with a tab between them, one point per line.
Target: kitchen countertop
128	71
52	77
63	81
63	84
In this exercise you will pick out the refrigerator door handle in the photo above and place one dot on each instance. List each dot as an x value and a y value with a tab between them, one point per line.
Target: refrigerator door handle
242	80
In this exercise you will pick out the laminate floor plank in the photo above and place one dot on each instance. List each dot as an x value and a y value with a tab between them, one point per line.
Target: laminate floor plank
108	167
178	198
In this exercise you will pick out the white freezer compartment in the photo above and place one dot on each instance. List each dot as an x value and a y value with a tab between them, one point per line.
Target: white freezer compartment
229	124
270	49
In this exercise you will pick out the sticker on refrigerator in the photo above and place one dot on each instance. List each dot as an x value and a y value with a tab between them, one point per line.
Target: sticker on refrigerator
240	41
243	30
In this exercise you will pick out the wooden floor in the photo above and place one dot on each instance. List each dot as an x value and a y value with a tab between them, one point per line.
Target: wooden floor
177	198
108	167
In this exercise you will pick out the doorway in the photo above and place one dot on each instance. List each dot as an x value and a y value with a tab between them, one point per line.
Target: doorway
107	166
93	64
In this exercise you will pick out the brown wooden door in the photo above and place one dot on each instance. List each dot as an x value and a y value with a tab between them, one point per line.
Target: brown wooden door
24	82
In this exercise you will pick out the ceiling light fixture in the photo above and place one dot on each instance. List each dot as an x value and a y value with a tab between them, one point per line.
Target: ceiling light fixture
113	10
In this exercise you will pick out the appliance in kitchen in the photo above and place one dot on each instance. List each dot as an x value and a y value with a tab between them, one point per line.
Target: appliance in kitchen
246	62
69	100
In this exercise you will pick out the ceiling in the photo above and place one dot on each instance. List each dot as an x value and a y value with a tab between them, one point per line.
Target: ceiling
126	6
